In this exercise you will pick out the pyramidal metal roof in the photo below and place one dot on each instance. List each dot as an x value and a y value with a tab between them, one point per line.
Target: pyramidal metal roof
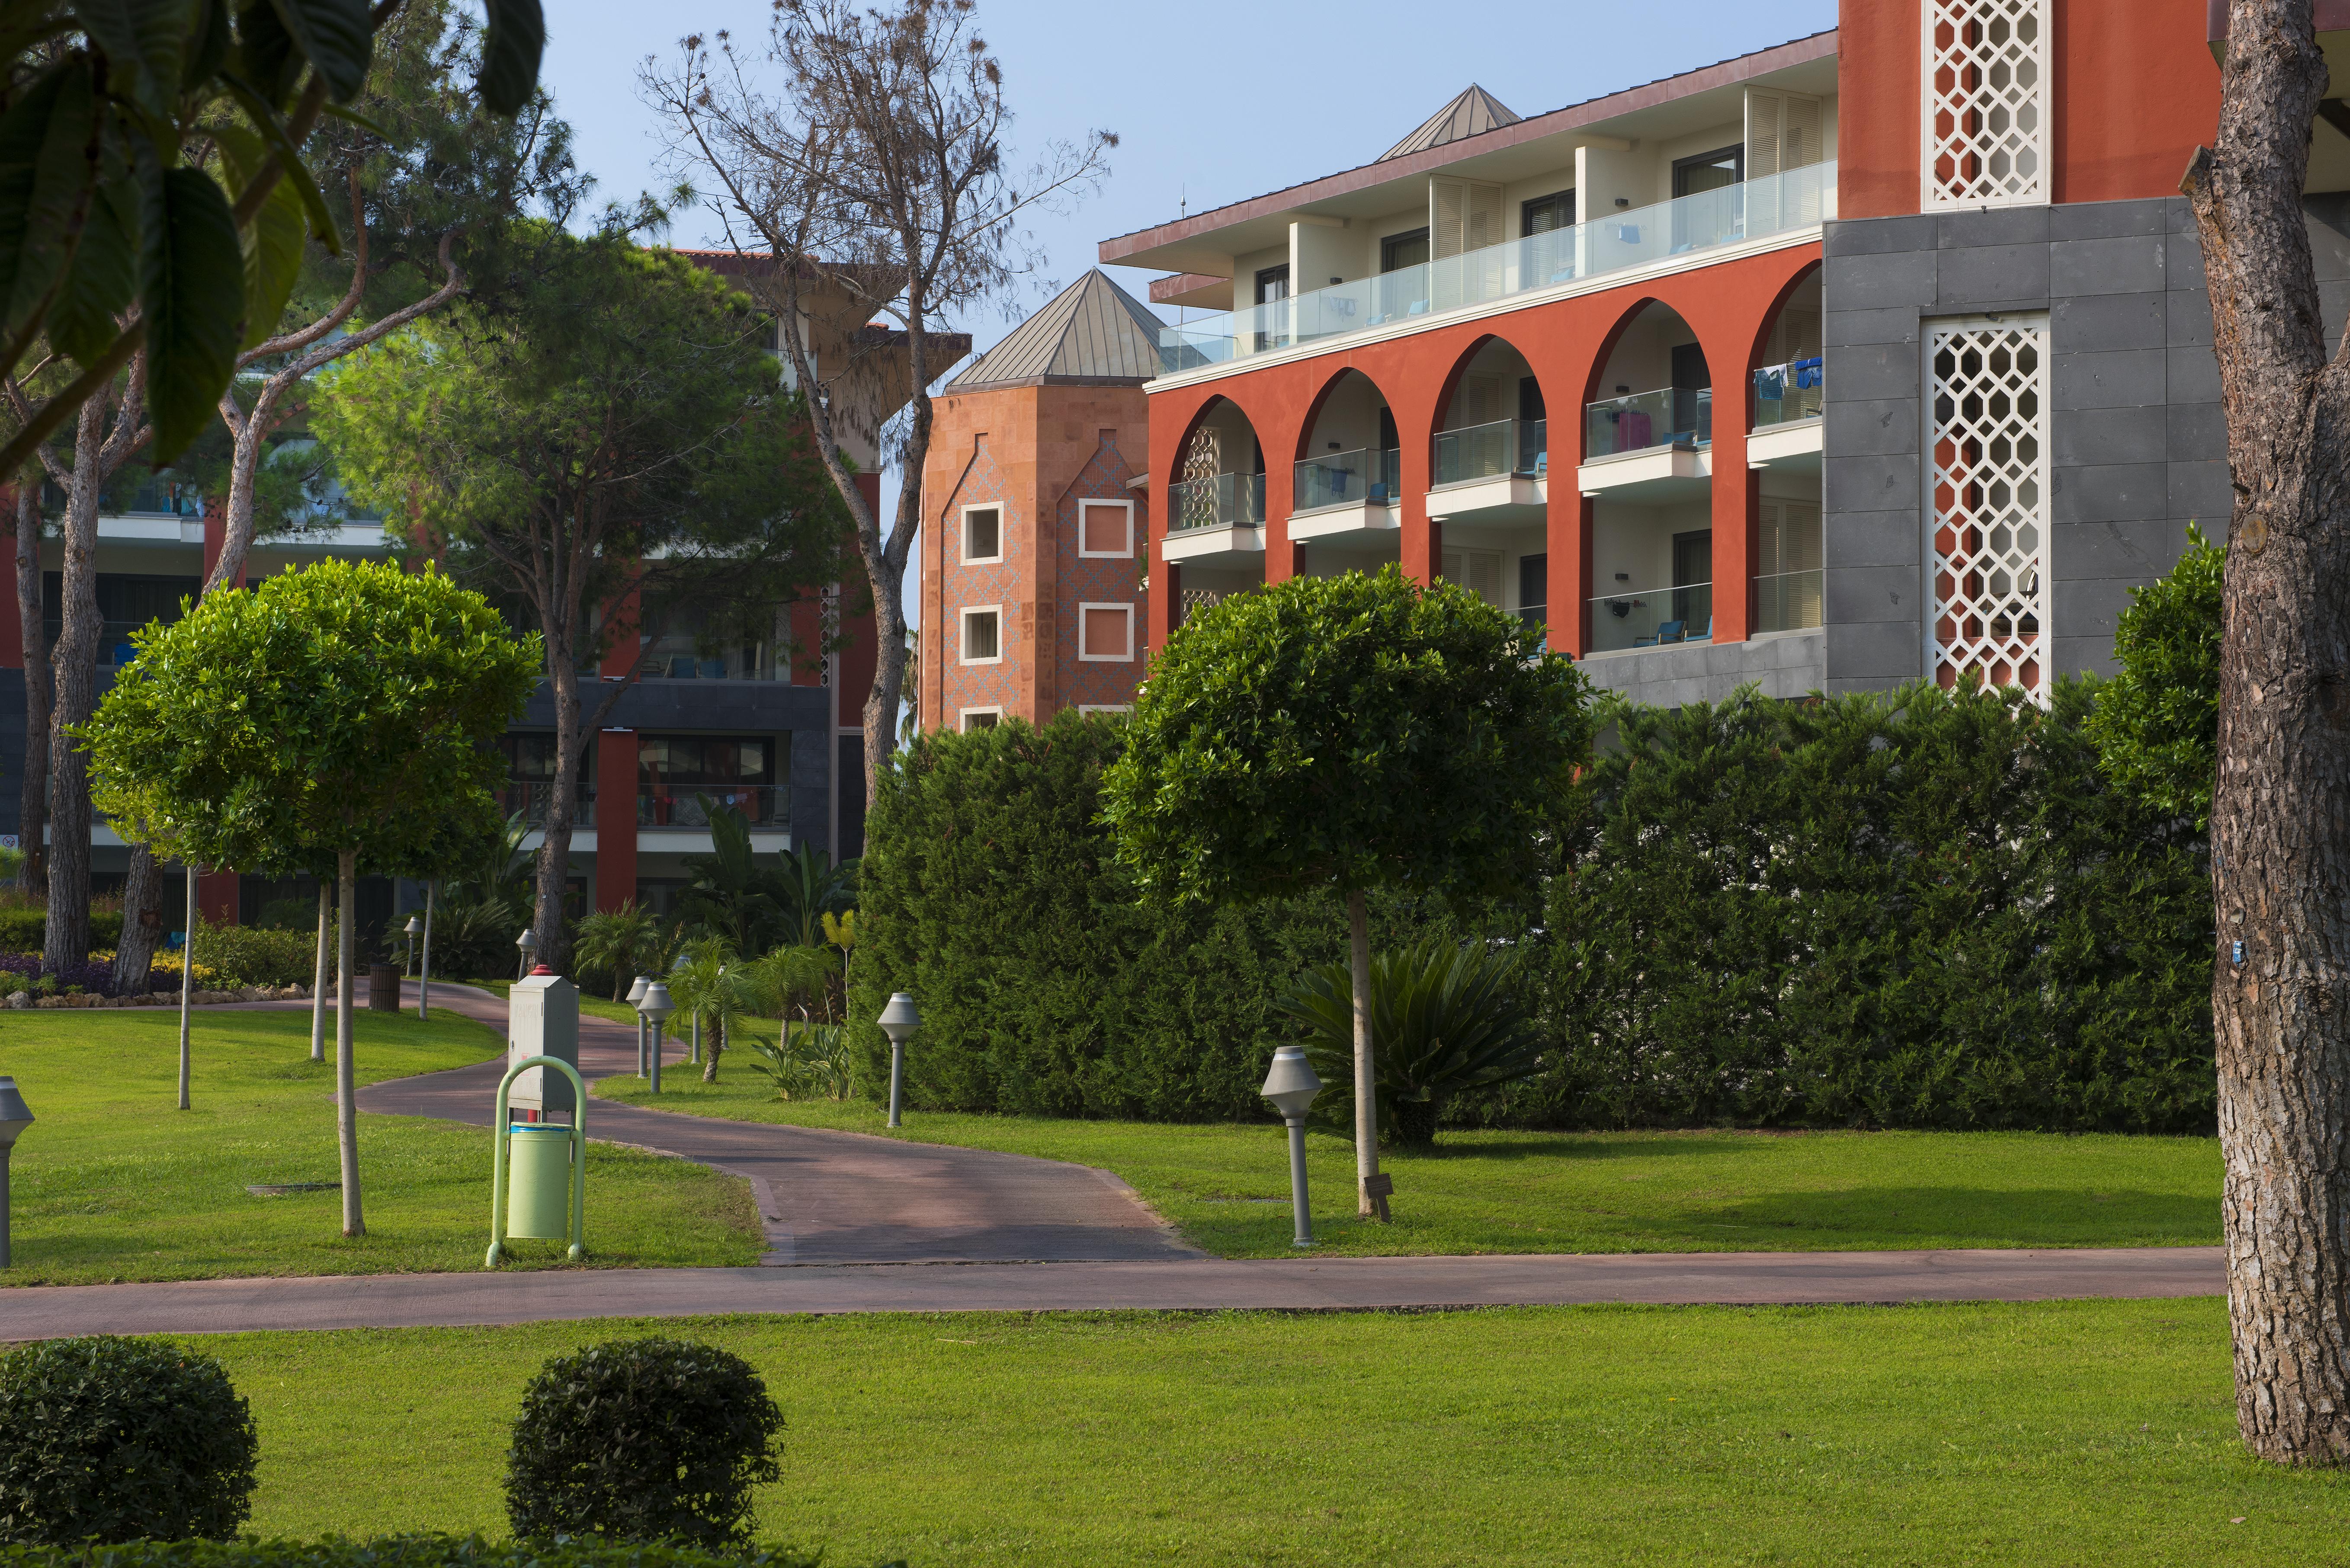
1092	332
1473	112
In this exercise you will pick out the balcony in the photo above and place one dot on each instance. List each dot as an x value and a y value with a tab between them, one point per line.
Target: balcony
531	796
1482	471
1789	601
1348	493
1649	447
1652	618
1688	225
1214	518
689	806
1788	400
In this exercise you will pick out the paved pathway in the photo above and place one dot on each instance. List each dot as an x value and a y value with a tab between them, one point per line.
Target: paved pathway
829	1197
390	1300
1005	1232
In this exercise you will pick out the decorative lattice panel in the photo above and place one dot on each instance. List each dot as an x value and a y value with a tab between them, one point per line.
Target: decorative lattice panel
1195	505
1986	103
1987	499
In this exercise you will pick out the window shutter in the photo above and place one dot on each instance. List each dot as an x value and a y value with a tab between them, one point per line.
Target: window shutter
1448	209
1766	117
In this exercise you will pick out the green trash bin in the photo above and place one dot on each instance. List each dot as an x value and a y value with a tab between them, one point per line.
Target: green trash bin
538	1181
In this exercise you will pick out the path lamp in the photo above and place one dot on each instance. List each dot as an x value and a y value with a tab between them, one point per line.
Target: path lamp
693	1053
899	1021
528	943
16	1116
636	995
1291	1085
655	1009
413	925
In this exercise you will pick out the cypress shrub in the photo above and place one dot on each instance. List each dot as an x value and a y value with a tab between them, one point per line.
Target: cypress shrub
106	1439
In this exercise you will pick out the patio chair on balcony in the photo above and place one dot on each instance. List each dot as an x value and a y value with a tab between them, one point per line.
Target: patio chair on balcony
1667	631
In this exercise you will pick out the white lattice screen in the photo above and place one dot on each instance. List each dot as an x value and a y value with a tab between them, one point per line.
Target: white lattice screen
1987	502
1986	103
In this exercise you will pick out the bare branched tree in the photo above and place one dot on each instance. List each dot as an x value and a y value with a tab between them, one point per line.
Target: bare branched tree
2280	829
878	181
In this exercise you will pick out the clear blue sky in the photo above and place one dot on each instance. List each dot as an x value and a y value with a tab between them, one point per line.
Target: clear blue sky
1229	101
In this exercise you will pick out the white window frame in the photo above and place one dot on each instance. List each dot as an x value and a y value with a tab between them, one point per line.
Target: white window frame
968	559
1126	509
1126	657
966	715
1085	708
1932	197
962	633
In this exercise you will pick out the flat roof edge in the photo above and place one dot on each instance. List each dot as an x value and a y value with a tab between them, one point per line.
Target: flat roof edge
1574	116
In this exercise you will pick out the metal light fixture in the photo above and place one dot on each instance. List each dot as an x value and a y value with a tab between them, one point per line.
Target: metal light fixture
1291	1085
636	995
528	943
899	1021
413	925
655	1007
16	1116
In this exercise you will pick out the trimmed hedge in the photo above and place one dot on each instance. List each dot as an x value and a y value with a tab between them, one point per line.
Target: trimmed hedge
1908	910
22	929
397	1552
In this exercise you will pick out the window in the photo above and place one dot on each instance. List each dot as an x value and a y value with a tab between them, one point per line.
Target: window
1272	283
1987	501
1272	308
681	779
1545	214
1534	588
1087	709
1106	633
982	534
1709	171
980	719
1985	120
1398	252
1479	571
1106	529
983	635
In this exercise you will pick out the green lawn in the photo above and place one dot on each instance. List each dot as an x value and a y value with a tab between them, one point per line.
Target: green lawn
591	1003
2083	1432
1227	1185
113	1183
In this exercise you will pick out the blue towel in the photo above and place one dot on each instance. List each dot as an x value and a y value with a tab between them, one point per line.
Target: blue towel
1770	385
1807	372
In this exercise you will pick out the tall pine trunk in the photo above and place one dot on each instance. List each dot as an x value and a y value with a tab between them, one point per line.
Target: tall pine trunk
33	784
561	800
1366	1083
66	939
347	1113
2280	827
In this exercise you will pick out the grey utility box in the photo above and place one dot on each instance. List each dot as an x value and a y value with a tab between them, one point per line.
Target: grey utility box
542	1019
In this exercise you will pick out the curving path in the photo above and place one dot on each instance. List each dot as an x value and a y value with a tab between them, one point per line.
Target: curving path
845	1211
830	1197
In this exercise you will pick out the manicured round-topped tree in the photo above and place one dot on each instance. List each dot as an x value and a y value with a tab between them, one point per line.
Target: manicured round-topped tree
342	715
1355	731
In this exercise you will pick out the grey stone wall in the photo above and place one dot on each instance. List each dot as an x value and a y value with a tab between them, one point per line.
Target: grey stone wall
2137	447
1782	664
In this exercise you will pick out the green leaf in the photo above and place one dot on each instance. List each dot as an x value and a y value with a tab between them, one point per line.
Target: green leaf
142	41
273	261
510	53
208	44
104	277
194	303
335	36
297	173
44	176
265	54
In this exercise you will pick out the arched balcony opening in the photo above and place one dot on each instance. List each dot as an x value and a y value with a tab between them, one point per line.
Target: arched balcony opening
1489	480
1648	470
1789	382
1215	509
1494	422
1347	505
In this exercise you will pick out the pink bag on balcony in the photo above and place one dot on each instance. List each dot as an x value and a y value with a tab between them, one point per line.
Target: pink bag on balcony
1634	432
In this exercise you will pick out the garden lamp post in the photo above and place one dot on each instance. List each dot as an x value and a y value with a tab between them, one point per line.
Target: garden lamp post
413	925
1291	1085
655	1007
898	1021
636	995
693	1053
528	943
16	1116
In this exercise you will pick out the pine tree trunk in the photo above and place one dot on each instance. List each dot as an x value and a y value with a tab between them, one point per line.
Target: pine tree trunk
1366	1087
143	923
318	986
66	939
347	1115
2280	830
33	786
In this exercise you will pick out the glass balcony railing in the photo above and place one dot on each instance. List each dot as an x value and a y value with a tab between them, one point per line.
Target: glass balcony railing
1652	618
683	805
1796	199
1220	500
1348	479
1790	391
531	797
1666	417
682	656
1789	601
1490	451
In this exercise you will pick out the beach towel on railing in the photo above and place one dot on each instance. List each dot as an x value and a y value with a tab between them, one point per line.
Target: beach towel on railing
1807	373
